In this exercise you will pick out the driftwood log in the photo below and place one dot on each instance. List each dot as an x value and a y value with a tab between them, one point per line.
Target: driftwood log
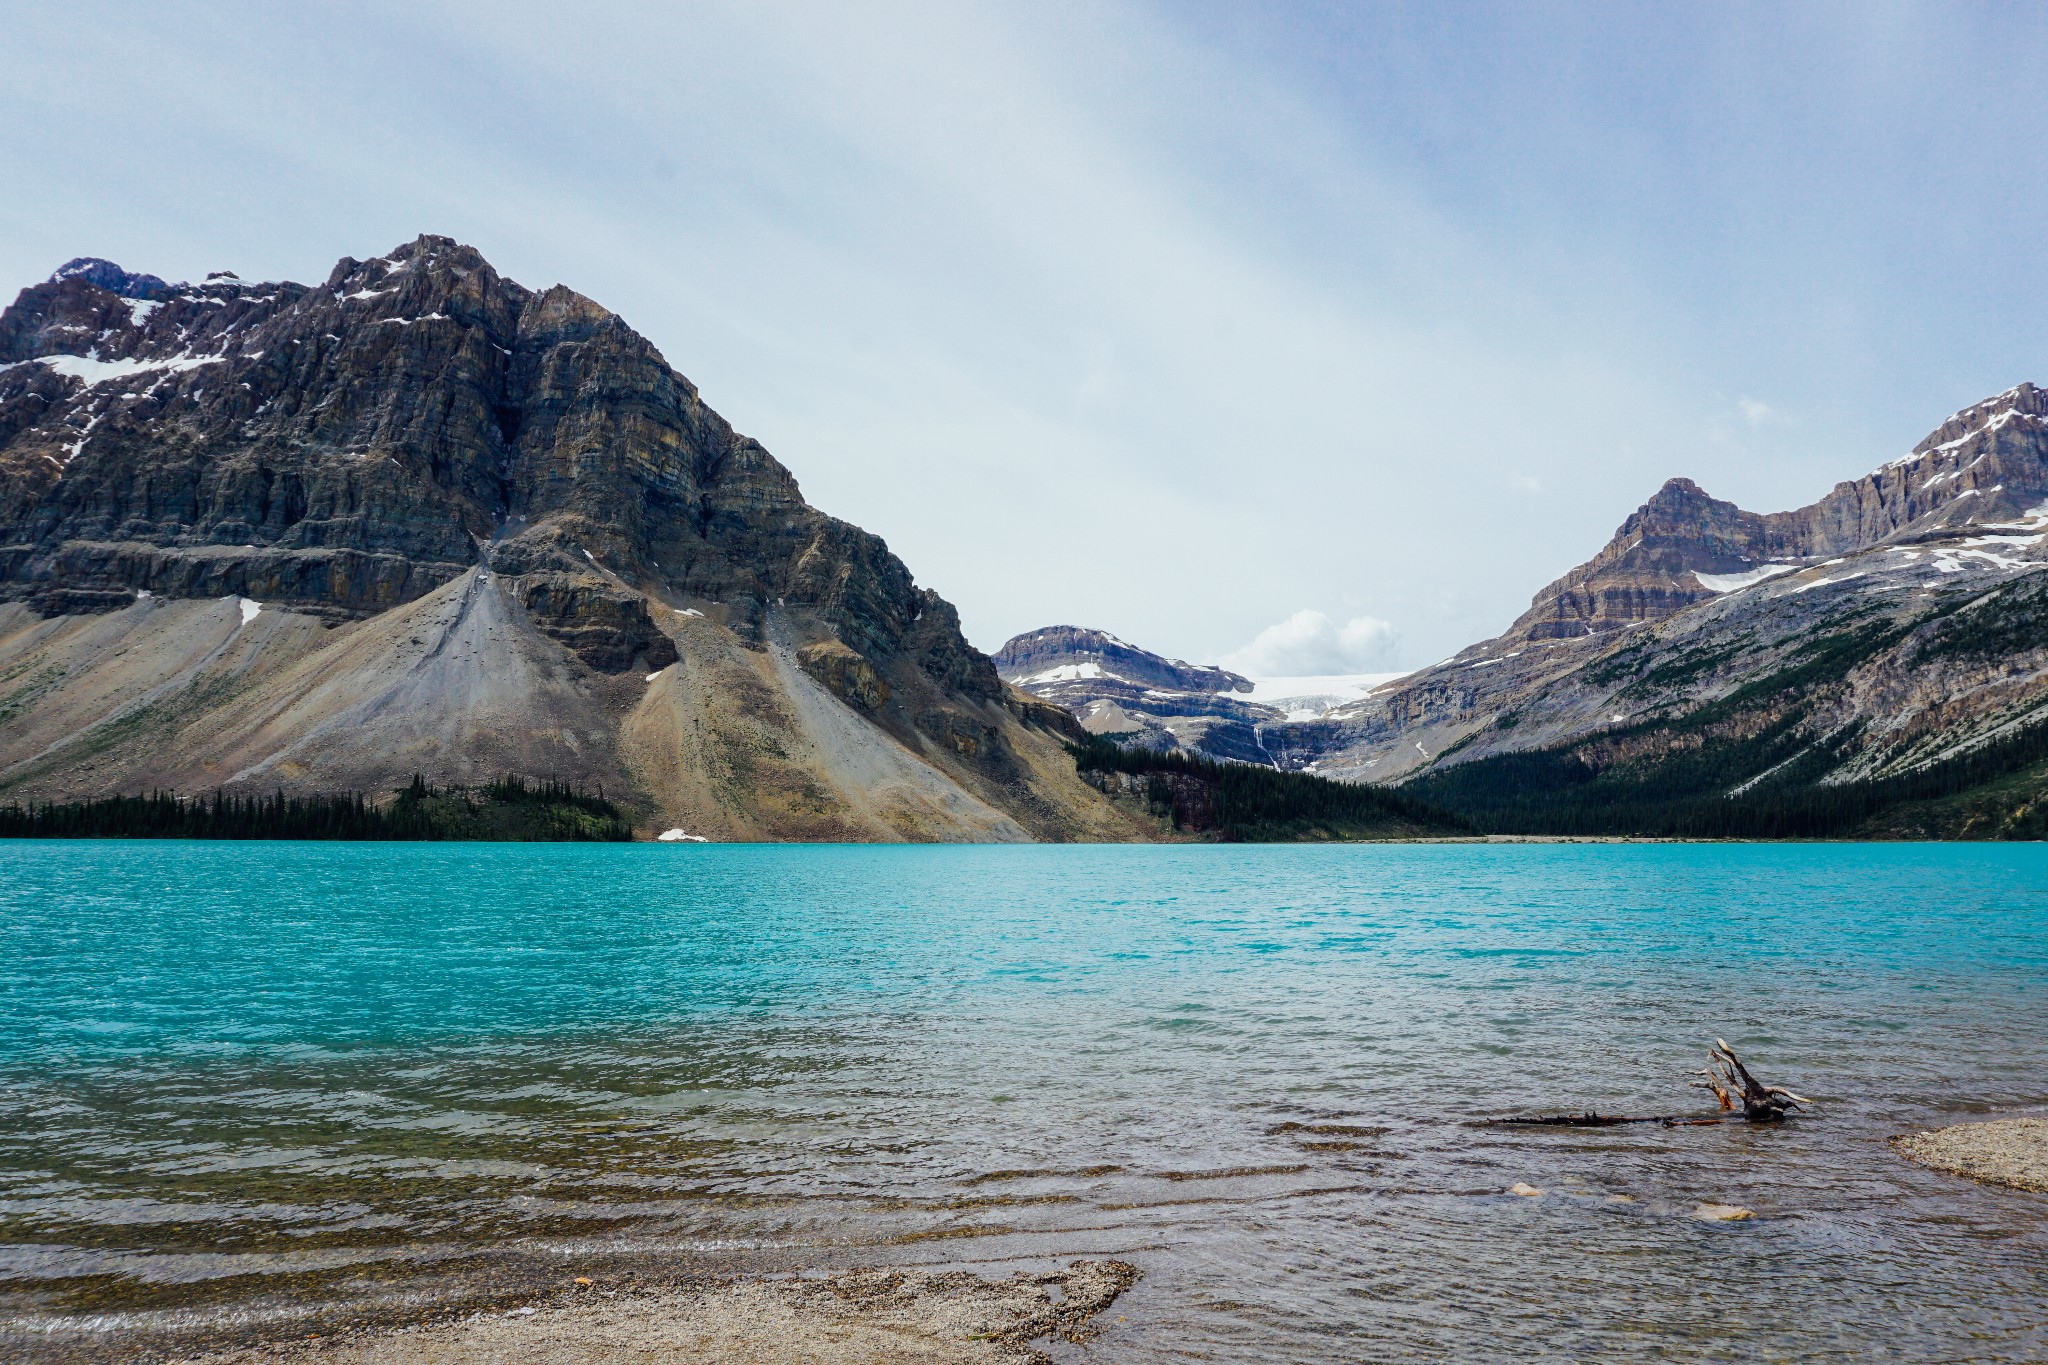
1590	1119
1726	1076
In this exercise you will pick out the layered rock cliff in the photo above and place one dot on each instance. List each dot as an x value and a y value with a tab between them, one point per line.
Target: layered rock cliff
1055	649
1984	464
449	498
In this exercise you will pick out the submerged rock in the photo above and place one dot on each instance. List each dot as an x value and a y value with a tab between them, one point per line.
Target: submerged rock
1722	1213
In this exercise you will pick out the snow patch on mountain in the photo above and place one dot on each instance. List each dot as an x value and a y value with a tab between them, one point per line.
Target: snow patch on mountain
1312	696
95	371
1277	691
1735	582
1063	673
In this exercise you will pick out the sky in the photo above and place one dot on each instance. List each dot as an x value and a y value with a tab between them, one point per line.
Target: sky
1304	338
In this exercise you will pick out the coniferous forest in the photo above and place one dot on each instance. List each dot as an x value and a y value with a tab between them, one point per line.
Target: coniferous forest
1247	803
509	809
1993	791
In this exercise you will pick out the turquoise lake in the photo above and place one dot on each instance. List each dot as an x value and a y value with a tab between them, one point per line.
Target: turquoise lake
250	1087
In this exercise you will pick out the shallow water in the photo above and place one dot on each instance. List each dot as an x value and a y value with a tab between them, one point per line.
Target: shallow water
270	1086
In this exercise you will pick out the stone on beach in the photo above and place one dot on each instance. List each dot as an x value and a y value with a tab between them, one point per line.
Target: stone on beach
2009	1152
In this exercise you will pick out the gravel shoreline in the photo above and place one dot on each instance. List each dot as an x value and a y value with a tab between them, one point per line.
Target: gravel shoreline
2009	1152
863	1317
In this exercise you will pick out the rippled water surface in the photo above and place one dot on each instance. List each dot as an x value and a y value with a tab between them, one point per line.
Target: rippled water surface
272	1086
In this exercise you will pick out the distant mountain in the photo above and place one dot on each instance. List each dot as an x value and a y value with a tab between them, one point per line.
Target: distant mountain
1875	662
1057	648
1981	466
1140	698
420	518
1120	691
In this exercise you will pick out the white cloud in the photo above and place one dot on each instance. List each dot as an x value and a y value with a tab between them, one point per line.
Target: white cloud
1753	412
1526	483
1309	642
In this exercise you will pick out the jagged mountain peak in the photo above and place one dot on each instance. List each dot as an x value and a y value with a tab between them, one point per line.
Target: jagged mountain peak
349	447
1694	596
2021	402
1675	490
425	254
106	275
1649	568
1680	509
1986	464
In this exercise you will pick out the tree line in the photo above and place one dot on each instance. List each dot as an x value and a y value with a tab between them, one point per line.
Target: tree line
1258	804
1554	791
510	808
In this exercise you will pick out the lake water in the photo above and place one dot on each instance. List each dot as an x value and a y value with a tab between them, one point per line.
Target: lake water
278	1087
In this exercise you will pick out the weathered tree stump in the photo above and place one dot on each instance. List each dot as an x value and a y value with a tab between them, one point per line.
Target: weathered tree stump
1726	1076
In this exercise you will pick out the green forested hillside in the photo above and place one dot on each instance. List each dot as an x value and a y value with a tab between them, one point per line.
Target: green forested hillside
507	810
1682	790
1245	803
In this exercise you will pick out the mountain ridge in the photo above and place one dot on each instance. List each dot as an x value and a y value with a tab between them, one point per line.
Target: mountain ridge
421	518
1875	661
1681	531
1701	626
483	529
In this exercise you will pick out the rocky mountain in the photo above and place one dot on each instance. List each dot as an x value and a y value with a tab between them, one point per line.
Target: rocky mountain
1117	690
1061	653
1980	466
1136	697
421	518
1882	652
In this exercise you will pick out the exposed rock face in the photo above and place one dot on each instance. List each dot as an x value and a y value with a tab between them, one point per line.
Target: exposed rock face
1866	600
1188	802
1650	569
1139	697
845	674
419	434
348	447
1987	463
107	275
608	629
1064	647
